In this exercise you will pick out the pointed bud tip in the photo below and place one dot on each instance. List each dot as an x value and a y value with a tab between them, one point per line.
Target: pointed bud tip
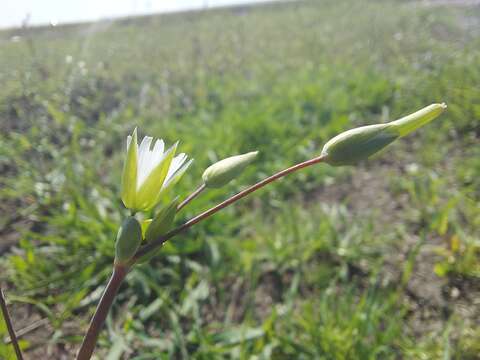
416	120
352	146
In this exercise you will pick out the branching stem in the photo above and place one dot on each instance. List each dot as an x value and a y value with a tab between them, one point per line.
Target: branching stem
120	272
153	245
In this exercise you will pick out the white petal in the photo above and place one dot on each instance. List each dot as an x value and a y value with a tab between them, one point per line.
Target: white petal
144	160
146	143
157	153
177	173
177	162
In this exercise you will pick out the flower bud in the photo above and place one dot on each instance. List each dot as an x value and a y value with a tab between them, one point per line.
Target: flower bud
129	237
352	146
224	171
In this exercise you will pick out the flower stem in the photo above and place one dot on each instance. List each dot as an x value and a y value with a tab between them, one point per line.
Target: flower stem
120	271
190	197
8	322
158	242
103	307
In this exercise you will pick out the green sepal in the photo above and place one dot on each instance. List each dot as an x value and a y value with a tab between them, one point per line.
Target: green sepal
129	238
144	224
412	122
129	174
358	144
224	171
161	224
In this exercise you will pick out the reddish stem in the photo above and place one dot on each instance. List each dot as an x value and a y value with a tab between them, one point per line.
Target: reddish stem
191	197
158	242
119	272
96	324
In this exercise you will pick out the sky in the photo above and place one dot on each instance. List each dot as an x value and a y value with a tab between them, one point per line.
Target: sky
14	12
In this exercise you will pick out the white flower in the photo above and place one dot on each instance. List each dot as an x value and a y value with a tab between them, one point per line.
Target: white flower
149	172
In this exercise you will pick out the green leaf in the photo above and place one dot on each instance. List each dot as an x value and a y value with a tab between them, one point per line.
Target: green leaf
117	349
237	335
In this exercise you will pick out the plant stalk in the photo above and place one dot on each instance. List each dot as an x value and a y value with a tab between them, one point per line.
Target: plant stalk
158	242
8	322
120	271
190	197
103	307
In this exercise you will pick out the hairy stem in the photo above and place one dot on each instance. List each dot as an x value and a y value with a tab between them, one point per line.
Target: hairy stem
153	245
190	197
8	322
103	307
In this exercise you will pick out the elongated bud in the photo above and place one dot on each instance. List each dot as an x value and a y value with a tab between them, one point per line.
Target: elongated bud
129	237
352	146
224	171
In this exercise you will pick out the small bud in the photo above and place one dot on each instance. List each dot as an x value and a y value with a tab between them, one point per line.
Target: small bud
352	146
224	171
129	237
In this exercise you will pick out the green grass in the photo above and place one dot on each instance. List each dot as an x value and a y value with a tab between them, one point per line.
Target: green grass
329	263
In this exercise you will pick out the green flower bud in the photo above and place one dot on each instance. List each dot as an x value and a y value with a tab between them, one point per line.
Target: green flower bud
129	237
224	171
352	146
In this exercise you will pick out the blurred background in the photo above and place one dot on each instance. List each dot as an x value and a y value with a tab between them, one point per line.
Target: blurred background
375	261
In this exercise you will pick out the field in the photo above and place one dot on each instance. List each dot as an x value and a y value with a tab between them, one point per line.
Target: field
381	260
